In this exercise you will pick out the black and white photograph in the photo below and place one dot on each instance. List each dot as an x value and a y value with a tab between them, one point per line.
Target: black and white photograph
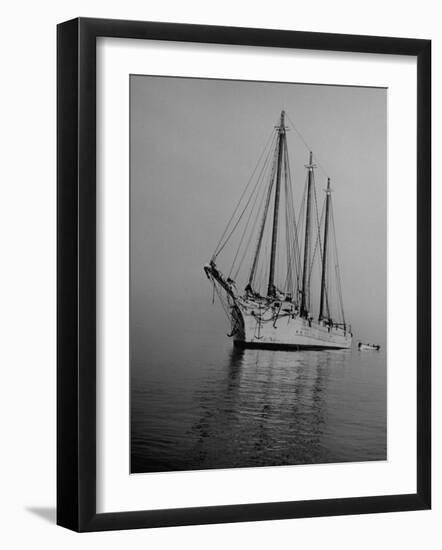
258	274
221	275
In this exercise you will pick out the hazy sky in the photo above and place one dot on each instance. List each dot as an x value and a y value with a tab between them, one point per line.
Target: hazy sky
194	145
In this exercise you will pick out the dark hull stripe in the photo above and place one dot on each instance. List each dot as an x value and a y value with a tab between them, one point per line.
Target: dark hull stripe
281	347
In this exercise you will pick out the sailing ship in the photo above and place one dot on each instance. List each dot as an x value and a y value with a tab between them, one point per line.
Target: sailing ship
276	268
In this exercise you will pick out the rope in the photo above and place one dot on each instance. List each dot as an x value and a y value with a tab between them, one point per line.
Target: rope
264	218
291	232
217	250
337	268
307	146
246	225
318	225
251	232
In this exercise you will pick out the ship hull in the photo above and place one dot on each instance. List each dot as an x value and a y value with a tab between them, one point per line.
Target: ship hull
287	332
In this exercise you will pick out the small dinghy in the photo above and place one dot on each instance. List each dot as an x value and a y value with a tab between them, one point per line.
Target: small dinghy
368	347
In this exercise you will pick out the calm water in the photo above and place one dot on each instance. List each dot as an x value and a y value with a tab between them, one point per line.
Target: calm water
200	403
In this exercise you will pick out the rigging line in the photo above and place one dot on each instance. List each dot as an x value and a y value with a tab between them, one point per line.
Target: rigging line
296	252
246	248
257	281
277	267
327	287
245	230
285	236
307	146
252	231
288	223
247	186
276	271
337	268
222	301
300	217
292	208
264	219
259	275
242	213
266	264
288	278
318	241
263	168
300	224
257	189
318	237
323	256
268	145
318	222
298	262
338	278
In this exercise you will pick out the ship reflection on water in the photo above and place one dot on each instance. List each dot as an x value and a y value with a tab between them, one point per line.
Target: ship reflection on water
259	408
270	412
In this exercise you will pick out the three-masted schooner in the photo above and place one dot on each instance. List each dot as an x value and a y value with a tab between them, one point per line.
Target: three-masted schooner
275	309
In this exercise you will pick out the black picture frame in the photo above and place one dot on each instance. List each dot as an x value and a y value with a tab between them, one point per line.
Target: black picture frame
76	273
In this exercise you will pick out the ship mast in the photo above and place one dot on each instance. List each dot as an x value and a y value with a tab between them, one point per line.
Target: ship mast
324	254
305	292
281	141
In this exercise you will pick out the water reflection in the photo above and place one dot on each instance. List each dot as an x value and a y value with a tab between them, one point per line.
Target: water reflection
259	408
270	408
